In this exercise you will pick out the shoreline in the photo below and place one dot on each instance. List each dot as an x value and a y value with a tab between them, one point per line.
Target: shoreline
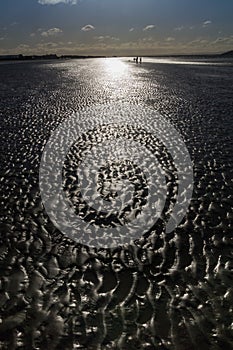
21	57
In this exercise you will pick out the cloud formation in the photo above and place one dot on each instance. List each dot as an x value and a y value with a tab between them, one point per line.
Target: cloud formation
131	30
106	37
224	40
55	2
87	28
170	39
106	46
178	29
51	32
206	23
149	27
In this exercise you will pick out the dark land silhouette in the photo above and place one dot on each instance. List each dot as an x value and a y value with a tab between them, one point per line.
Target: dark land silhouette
20	57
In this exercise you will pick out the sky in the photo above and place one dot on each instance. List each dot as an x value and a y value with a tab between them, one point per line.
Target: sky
115	27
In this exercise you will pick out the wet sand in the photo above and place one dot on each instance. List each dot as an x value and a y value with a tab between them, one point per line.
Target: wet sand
168	291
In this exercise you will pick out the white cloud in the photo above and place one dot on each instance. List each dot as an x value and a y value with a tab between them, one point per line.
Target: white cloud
49	45
198	42
131	30
51	32
55	2
23	47
99	37
206	23
146	39
106	37
224	40
178	29
149	27
170	39
87	28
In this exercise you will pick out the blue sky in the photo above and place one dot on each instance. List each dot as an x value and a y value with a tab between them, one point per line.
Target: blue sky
115	27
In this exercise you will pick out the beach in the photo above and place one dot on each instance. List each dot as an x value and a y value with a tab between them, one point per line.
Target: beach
167	290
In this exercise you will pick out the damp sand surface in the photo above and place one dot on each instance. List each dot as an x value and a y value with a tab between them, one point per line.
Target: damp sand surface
167	291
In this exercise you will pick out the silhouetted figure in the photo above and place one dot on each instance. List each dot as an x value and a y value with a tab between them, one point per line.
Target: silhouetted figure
140	60
136	59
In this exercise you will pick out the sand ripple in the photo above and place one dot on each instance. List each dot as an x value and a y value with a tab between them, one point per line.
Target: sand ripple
168	291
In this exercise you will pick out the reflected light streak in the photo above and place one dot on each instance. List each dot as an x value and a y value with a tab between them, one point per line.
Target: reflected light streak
115	68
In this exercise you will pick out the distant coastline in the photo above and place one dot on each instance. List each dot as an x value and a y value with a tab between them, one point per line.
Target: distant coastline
228	54
211	55
21	57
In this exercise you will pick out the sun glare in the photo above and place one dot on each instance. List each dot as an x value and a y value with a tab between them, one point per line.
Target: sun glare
115	67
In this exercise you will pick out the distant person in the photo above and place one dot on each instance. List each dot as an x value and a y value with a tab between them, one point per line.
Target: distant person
140	60
136	59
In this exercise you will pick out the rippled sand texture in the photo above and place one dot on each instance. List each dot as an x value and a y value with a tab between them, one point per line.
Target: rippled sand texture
169	291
